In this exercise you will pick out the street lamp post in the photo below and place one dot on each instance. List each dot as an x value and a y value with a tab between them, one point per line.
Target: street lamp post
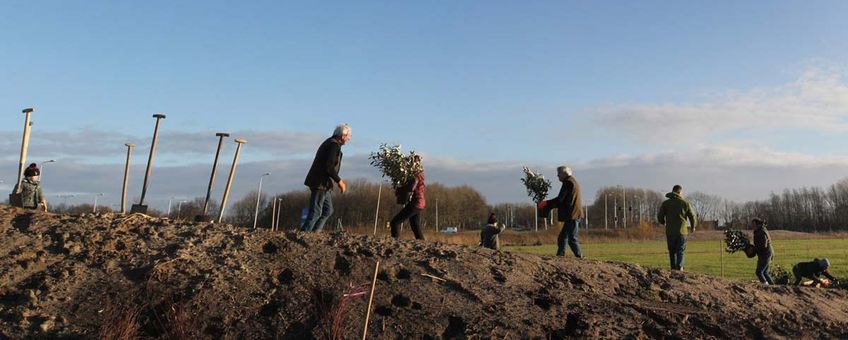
94	210
624	205
258	197
615	211
169	206
43	165
180	208
65	201
606	220
437	215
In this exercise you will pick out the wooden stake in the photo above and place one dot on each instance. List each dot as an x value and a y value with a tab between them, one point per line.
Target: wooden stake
273	213
279	212
377	214
370	300
721	255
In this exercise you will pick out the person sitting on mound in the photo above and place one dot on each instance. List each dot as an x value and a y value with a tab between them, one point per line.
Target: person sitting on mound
31	195
489	233
812	270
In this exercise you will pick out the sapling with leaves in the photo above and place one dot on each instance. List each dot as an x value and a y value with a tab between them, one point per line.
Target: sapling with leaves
400	168
536	184
737	240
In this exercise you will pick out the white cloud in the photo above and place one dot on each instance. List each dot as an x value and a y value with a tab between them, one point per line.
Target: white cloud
93	145
817	101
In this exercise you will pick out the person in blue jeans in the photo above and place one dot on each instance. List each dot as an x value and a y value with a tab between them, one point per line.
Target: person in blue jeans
674	213
569	208
762	243
322	176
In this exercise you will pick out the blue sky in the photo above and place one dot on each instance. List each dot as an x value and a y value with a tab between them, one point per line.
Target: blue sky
473	85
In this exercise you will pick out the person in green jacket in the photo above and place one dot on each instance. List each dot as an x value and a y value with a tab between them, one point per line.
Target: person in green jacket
674	213
31	195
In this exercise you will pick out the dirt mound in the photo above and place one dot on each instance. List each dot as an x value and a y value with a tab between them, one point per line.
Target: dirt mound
107	275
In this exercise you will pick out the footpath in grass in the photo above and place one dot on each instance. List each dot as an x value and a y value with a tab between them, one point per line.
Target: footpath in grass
708	256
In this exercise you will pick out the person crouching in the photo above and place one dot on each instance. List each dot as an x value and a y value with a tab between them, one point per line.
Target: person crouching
812	270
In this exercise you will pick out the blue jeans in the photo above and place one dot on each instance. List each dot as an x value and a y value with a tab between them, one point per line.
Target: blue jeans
676	247
320	209
569	233
762	269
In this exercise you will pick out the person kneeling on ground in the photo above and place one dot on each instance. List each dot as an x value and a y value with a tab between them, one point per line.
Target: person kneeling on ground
762	244
31	195
812	270
489	233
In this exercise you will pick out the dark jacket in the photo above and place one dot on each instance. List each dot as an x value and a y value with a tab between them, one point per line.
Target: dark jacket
674	212
31	194
811	270
762	242
325	166
489	236
568	203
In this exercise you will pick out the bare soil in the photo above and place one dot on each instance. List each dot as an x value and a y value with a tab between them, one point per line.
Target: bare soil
126	276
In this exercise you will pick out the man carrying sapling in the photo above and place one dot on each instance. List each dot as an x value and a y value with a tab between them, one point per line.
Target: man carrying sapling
569	211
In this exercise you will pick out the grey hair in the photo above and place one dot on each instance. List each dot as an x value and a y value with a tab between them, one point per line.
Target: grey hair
341	130
563	169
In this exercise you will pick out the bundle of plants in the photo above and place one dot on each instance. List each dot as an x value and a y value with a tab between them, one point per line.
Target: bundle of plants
737	240
779	275
400	168
536	184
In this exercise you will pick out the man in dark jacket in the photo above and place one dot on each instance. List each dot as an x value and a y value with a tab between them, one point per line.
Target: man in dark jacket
762	243
812	270
569	211
674	213
323	173
489	233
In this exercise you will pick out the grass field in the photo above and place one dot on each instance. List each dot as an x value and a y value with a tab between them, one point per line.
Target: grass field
706	257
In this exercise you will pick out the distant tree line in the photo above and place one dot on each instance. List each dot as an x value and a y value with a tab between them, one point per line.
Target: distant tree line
808	209
462	207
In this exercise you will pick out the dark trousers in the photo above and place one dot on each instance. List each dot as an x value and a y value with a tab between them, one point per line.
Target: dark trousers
798	276
409	212
320	209
568	234
676	248
763	262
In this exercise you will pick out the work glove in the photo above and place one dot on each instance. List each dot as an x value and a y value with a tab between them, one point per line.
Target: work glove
44	206
342	186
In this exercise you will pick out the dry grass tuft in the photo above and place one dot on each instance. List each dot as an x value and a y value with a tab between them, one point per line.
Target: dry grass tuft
120	322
